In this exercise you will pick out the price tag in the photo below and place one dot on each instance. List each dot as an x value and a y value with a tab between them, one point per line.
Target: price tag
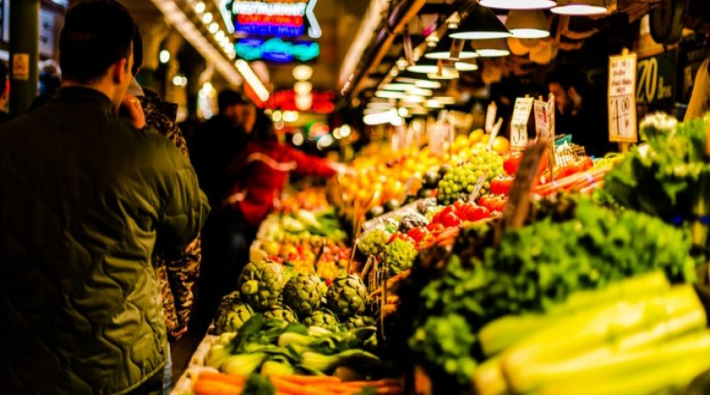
519	123
494	133
622	99
477	188
516	209
490	117
544	126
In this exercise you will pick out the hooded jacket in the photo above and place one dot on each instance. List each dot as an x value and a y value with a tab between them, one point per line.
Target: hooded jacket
85	198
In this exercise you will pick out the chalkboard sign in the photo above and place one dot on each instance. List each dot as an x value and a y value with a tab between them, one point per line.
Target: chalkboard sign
656	78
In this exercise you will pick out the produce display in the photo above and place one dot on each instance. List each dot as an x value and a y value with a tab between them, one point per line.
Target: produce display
598	288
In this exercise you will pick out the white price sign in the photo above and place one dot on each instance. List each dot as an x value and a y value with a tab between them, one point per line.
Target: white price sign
622	98
519	124
491	117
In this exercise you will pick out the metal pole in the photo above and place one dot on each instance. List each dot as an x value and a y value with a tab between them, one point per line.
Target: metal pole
24	54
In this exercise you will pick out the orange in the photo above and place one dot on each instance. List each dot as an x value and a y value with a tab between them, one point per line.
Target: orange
501	145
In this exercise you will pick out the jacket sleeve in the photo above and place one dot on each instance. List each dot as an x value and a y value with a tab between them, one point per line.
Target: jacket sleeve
309	165
185	209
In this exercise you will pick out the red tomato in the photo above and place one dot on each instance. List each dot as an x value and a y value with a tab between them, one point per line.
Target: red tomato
401	236
435	227
418	233
450	219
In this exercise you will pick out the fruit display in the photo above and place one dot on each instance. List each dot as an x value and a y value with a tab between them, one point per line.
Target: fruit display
461	180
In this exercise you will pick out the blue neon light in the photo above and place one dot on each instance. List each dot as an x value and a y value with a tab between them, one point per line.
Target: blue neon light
276	50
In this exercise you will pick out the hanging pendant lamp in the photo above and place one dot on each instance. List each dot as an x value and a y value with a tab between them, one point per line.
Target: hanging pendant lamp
492	48
580	7
518	4
527	24
481	23
443	50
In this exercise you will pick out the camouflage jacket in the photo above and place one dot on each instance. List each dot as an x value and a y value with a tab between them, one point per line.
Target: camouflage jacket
177	273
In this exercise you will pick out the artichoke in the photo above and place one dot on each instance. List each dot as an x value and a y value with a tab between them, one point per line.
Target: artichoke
359	321
260	284
232	314
346	296
280	312
323	318
303	293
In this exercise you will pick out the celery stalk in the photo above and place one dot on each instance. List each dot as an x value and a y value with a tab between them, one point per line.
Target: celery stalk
504	332
243	364
588	338
674	363
488	378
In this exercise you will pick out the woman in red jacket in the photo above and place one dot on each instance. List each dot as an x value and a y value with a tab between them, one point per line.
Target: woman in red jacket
260	173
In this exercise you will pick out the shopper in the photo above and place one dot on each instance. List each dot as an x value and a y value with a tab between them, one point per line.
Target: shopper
85	198
576	111
4	92
213	149
258	177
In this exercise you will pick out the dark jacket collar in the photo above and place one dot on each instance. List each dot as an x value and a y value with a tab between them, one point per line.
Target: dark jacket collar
83	94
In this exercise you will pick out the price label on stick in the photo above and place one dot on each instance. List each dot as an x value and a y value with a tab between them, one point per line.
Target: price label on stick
494	133
477	188
519	123
516	209
490	117
622	98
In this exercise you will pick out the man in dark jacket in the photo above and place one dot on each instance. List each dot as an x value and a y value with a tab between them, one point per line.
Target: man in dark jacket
85	198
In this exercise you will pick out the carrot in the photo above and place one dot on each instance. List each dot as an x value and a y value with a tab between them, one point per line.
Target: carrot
296	389
376	383
210	387
225	378
392	390
301	379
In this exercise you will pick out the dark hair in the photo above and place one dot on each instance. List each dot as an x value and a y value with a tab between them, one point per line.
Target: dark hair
228	98
568	76
96	34
3	77
264	128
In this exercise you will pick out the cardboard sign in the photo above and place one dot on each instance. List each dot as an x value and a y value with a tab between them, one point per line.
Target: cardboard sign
622	99
519	123
490	117
516	209
21	66
545	125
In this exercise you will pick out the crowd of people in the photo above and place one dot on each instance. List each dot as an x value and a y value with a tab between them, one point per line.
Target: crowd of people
108	217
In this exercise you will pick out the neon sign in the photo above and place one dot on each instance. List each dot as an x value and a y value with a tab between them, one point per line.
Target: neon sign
285	100
271	18
276	50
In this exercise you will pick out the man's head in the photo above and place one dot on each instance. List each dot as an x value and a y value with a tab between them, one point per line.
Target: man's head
96	47
569	85
237	108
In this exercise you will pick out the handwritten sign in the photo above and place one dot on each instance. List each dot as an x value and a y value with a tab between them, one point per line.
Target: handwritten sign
545	124
490	117
20	66
622	99
519	124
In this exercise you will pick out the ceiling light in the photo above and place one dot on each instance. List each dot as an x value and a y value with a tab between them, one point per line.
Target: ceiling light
434	104
580	7
390	95
419	92
200	7
413	99
481	23
527	24
425	84
403	112
302	72
214	27
444	99
518	4
398	87
297	139
219	35
431	40
207	18
276	116
345	130
446	74
290	116
492	48
302	87
390	116
465	66
443	50
164	56
428	66
380	105
418	111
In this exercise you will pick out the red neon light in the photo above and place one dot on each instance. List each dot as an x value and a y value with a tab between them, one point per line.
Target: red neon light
323	102
258	19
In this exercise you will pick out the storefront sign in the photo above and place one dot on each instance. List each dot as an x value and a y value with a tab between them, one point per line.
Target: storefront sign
519	124
275	18
656	76
322	102
276	50
622	98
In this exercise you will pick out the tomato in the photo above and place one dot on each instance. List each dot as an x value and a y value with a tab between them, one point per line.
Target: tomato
418	233
450	219
511	163
435	227
401	236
